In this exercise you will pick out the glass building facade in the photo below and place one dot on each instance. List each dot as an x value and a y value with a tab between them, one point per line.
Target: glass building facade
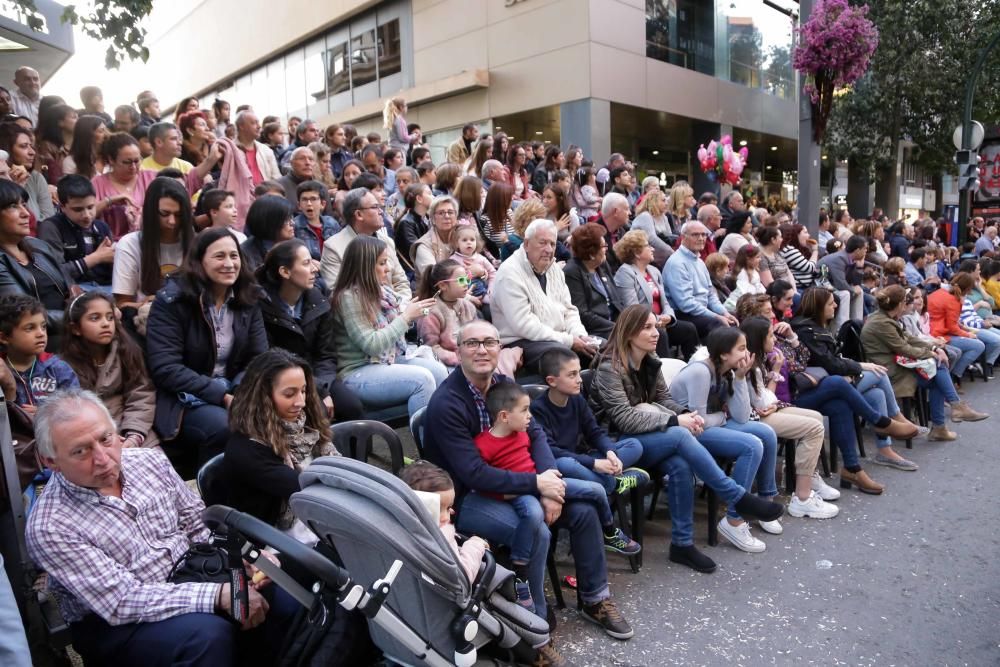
748	42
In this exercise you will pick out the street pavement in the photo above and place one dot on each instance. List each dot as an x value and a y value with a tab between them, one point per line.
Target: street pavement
911	577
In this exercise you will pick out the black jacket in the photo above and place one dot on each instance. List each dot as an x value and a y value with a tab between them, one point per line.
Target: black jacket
180	352
823	348
596	313
310	337
66	238
17	279
257	480
406	232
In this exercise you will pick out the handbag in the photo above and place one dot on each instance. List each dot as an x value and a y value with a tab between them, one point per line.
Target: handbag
810	378
210	562
925	368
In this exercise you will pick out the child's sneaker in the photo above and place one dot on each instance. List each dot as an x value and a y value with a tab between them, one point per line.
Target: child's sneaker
631	478
523	594
621	543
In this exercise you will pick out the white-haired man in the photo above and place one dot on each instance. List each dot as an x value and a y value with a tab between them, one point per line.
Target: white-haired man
531	304
302	168
689	286
615	212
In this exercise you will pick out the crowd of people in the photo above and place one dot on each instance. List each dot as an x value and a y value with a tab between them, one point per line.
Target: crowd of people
218	282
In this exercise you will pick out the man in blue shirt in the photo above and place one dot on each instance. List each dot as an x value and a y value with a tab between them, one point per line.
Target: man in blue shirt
689	286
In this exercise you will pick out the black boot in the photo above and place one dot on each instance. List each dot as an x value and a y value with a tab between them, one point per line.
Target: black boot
691	557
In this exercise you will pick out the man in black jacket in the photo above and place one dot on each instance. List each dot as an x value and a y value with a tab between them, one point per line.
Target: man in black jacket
83	243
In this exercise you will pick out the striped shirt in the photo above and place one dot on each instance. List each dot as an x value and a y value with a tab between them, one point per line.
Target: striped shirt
111	556
803	270
969	317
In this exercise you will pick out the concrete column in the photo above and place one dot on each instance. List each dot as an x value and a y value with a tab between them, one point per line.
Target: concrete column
809	150
587	123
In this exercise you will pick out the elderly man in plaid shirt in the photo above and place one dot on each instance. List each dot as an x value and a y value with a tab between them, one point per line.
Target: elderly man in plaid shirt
108	528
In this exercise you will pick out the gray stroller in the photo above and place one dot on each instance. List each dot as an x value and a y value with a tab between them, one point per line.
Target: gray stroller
420	607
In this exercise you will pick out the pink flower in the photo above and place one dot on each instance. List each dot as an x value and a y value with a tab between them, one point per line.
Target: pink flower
835	44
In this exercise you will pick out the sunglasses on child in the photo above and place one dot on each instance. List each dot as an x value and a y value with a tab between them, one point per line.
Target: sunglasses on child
461	280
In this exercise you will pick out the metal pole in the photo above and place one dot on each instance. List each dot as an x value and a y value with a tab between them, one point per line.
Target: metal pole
808	149
970	91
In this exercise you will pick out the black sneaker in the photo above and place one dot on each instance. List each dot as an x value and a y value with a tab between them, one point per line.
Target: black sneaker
548	656
691	557
752	507
620	543
631	478
605	614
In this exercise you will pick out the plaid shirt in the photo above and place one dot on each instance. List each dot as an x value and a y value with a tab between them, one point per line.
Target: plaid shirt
111	556
477	396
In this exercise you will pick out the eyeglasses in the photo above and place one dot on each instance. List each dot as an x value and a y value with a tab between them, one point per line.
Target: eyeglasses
446	213
310	200
491	344
461	280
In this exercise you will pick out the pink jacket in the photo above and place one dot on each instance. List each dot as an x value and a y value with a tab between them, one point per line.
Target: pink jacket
470	554
235	176
479	260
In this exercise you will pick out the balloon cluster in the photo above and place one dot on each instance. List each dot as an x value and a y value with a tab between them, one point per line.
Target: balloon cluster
721	162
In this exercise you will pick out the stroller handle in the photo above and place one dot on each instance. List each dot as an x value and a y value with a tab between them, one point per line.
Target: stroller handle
262	534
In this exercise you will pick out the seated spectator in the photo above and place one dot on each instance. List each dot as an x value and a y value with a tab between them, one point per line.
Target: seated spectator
435	245
746	271
298	318
205	326
220	208
108	362
584	195
496	217
804	427
425	477
715	388
311	225
987	242
24	337
900	235
460	413
121	190
639	281
336	138
144	258
630	395
887	343
394	204
531	304
590	281
651	217
916	271
689	283
800	254
165	139
894	272
467	245
945	309
369	328
917	322
582	448
118	604
517	173
259	157
278	426
413	223
844	271
614	219
85	243
507	446
302	168
523	215
871	380
361	217
979	297
710	217
446	178
19	144
772	266
991	281
718	268
269	221
86	152
739	232
982	328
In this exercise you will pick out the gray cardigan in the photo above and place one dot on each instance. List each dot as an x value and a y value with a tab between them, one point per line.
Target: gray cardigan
634	288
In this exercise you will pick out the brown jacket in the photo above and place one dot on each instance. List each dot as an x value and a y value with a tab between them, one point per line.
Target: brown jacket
883	338
131	401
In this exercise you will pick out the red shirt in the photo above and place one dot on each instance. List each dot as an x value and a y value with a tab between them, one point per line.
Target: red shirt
657	308
510	453
251	155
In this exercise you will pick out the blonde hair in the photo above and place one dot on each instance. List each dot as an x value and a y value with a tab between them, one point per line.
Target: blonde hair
630	245
457	232
393	109
655	203
894	266
678	195
525	213
716	262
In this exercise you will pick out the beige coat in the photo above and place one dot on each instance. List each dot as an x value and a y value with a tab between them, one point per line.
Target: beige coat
131	401
333	255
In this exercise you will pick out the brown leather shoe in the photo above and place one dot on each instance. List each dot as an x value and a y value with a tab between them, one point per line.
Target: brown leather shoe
861	480
963	412
901	418
941	434
899	430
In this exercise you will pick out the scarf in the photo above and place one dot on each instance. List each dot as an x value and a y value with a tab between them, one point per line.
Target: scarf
303	446
388	311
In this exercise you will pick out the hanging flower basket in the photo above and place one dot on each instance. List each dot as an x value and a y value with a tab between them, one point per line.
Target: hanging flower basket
720	162
835	48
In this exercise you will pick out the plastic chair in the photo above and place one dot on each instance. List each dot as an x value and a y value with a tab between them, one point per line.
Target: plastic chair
212	482
355	439
535	390
417	429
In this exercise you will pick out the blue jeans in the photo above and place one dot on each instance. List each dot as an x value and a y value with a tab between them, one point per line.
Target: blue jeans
207	427
991	339
496	521
877	390
839	401
13	644
971	349
628	450
677	453
940	389
385	385
742	443
530	521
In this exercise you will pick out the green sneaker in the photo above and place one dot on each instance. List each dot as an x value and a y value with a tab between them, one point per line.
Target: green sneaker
631	478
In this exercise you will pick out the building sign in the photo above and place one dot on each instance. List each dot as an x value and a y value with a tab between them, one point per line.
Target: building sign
840	200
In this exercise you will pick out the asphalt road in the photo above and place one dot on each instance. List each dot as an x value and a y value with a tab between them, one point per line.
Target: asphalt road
914	580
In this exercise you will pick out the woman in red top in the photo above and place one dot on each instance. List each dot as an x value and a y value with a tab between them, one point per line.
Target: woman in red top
944	307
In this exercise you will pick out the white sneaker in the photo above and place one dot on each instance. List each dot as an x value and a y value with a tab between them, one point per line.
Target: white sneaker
822	489
814	508
740	536
773	527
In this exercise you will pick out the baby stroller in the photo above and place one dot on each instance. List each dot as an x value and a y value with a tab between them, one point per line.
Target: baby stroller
421	609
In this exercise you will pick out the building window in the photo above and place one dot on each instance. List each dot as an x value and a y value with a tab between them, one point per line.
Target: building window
339	69
390	53
363	58
682	33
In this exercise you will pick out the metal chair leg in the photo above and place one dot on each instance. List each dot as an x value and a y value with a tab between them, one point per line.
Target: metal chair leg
550	564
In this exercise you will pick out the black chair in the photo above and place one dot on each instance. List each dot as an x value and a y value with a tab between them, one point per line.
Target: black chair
212	482
535	390
417	429
789	450
355	439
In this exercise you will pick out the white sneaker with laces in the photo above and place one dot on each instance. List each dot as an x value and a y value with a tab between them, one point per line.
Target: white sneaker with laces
740	536
773	527
822	489
814	508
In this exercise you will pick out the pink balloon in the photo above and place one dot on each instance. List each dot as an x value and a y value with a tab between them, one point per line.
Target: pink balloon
744	152
726	139
702	154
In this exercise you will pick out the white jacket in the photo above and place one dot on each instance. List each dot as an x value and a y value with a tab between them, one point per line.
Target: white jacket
266	162
521	309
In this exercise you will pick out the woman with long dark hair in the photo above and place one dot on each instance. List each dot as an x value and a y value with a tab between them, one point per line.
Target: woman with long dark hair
54	138
554	160
145	257
629	394
800	254
278	426
205	326
517	172
413	223
269	221
369	329
86	155
298	318
20	146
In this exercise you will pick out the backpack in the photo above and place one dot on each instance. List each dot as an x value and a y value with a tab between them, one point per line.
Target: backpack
849	341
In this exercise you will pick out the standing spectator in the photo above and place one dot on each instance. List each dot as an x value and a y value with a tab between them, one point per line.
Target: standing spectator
394	120
149	109
517	172
222	112
28	94
204	328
